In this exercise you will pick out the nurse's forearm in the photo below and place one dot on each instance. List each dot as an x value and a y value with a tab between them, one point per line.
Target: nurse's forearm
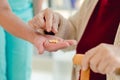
37	6
15	26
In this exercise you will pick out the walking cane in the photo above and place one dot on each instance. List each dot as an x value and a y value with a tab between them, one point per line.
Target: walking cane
84	75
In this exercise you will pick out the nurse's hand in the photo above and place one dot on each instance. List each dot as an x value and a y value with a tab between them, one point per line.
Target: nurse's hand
102	59
51	43
47	20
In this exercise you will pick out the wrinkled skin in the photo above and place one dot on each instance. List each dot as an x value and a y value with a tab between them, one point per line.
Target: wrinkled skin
46	20
102	59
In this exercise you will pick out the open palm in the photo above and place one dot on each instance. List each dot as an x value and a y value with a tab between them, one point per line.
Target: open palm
42	43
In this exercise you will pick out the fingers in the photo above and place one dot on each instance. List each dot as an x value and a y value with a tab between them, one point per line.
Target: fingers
71	42
101	59
102	66
49	19
41	49
52	21
94	62
37	22
46	20
88	56
40	21
39	43
55	23
54	43
112	66
55	46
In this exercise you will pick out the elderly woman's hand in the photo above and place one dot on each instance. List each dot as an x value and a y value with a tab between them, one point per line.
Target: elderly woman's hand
102	59
46	20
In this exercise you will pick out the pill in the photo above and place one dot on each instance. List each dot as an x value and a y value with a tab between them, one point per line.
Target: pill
53	41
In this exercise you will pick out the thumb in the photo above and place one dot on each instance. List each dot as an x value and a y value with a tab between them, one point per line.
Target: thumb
41	48
39	44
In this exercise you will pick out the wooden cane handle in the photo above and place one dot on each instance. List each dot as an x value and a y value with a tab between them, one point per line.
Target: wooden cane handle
77	59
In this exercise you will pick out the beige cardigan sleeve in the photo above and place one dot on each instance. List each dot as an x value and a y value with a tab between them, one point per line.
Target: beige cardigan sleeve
70	28
116	43
67	29
74	27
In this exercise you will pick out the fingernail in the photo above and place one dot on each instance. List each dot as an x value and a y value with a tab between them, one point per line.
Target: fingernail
48	30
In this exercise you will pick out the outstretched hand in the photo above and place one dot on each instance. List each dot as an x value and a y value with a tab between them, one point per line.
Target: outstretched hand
51	43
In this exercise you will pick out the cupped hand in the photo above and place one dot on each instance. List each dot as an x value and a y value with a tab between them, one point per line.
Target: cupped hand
52	43
102	59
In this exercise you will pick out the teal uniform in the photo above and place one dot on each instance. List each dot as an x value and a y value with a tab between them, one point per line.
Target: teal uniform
15	53
2	55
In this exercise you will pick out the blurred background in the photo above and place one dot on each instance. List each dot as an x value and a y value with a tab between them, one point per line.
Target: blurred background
56	65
